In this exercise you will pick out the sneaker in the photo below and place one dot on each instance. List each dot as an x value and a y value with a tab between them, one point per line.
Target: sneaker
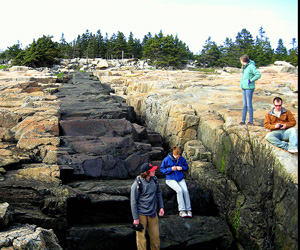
242	123
293	150
189	214
182	214
249	123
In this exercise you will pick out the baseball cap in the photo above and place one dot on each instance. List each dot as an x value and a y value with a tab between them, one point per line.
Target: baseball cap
147	167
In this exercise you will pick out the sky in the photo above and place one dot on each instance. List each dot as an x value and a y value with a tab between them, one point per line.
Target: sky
193	21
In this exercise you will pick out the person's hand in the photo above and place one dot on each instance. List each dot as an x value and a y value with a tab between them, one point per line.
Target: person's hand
174	168
161	212
136	222
249	82
179	168
283	126
277	125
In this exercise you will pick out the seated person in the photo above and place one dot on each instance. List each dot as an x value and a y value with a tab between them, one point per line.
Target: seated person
282	123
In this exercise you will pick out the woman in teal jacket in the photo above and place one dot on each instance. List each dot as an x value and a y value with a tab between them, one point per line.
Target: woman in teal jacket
249	76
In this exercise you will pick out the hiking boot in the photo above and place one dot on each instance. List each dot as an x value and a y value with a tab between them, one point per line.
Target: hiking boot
242	123
249	123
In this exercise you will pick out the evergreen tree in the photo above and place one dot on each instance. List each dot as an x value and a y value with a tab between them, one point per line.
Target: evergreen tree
42	53
101	49
262	50
210	54
131	47
293	56
65	49
165	51
109	46
120	45
13	51
244	43
294	42
228	54
138	48
281	51
146	38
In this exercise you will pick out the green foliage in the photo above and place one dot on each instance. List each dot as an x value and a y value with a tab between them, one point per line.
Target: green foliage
293	56
205	70
42	53
281	51
165	51
3	66
236	221
210	55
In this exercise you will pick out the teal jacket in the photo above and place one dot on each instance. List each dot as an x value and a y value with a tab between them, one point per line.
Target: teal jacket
251	73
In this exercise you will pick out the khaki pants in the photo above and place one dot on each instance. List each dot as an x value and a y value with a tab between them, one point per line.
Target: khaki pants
153	229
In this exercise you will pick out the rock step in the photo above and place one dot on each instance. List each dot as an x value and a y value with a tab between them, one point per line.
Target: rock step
109	201
175	233
84	97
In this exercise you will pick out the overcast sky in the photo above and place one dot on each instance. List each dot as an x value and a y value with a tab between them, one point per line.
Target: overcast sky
193	21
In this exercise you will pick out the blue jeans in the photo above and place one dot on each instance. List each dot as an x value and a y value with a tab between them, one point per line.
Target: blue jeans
183	197
280	137
247	104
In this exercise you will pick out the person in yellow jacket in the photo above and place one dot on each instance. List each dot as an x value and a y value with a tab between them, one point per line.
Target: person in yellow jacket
282	123
249	76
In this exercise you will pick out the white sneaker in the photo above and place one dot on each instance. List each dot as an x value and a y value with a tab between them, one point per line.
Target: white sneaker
293	150
189	214
182	214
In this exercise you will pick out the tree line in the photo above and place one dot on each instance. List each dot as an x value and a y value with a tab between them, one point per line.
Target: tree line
162	50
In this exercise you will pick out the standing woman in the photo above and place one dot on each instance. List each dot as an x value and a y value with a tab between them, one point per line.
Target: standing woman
249	76
173	166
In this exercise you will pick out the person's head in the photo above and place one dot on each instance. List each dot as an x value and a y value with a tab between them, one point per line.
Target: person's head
277	101
244	59
147	170
176	152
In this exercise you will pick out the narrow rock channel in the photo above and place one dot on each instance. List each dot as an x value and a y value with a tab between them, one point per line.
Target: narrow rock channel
102	147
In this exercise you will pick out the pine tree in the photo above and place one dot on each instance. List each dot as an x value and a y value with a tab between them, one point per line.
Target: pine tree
281	51
228	55
165	51
131	47
13	51
210	54
244	43
65	49
42	53
100	44
262	50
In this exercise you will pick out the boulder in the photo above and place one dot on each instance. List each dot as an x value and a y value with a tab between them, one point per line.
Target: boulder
283	63
102	64
28	237
5	216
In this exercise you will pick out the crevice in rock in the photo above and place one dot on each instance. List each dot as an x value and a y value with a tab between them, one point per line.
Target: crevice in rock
102	146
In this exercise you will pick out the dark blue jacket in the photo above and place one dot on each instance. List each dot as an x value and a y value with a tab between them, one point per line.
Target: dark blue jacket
168	163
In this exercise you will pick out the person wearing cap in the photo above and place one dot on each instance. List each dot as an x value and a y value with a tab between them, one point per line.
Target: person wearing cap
144	204
173	166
